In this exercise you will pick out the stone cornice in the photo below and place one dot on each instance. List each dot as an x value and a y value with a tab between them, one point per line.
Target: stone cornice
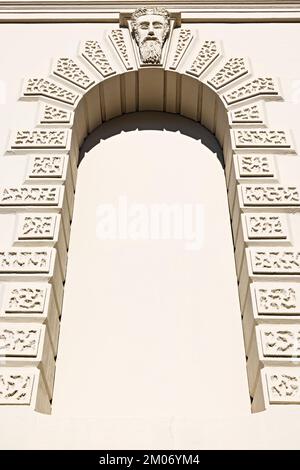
108	11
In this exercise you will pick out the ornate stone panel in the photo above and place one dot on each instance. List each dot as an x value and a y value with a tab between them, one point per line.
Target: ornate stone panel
184	38
260	138
15	387
270	195
266	226
54	115
121	42
46	166
263	87
280	340
40	139
22	260
274	260
25	299
95	55
31	195
256	166
208	53
278	299
283	387
19	341
234	68
71	71
42	87
36	227
251	114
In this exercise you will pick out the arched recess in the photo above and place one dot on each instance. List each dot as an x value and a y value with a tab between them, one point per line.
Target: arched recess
105	81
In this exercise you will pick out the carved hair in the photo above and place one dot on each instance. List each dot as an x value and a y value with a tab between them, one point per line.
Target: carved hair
150	11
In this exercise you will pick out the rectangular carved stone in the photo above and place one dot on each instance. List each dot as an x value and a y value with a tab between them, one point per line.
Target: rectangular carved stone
43	87
262	86
266	226
280	299
283	385
40	138
19	341
251	114
71	71
256	166
54	115
274	261
206	56
233	69
15	387
270	195
25	299
21	260
280	340
260	138
31	195
36	226
46	166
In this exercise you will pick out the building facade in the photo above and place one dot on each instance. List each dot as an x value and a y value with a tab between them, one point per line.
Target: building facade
150	221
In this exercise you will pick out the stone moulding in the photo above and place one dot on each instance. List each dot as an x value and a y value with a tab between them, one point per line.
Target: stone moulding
191	80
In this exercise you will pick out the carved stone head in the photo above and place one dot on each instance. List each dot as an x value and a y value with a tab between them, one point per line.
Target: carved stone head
150	27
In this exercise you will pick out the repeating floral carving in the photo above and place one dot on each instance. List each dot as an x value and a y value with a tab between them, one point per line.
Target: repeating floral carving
53	115
34	195
19	341
47	166
69	70
184	39
25	300
234	68
119	42
276	300
22	260
247	114
260	138
255	165
15	388
257	87
40	138
49	89
94	54
206	56
267	195
280	341
275	261
283	387
265	226
37	227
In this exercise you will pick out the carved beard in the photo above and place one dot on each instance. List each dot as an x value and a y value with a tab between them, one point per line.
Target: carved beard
150	50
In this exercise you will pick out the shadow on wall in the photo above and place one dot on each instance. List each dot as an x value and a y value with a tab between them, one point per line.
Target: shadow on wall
151	120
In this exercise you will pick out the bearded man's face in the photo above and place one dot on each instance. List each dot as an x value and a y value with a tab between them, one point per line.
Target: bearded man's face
151	31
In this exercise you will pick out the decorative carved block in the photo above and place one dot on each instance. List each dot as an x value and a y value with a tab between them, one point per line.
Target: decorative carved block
36	227
205	57
21	260
274	261
251	114
255	166
69	70
25	300
49	89
266	226
257	87
31	195
46	166
40	138
280	340
19	341
283	387
270	195
260	138
184	39
94	54
15	387
117	37
54	115
281	299
234	68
